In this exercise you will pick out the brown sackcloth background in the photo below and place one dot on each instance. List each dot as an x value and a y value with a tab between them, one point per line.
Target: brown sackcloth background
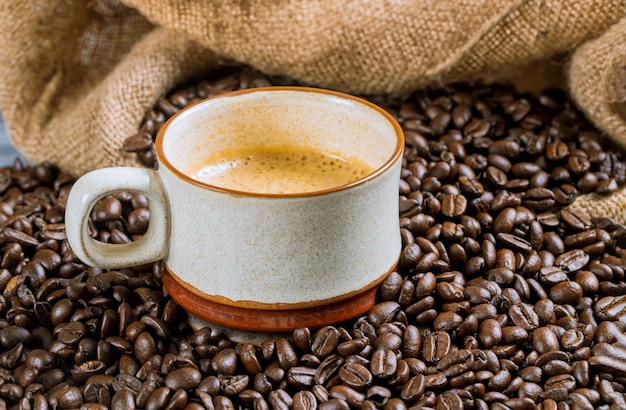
77	76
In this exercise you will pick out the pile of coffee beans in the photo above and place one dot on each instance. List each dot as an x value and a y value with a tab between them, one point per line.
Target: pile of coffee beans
503	297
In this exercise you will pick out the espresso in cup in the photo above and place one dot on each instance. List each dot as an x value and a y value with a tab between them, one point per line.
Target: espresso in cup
278	169
262	198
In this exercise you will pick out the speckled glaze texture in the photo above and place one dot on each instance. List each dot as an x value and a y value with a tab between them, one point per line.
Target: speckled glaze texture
265	252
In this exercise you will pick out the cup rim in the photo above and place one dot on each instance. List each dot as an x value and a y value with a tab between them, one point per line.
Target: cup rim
393	158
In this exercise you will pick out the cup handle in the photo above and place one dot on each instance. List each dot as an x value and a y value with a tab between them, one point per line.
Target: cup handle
96	184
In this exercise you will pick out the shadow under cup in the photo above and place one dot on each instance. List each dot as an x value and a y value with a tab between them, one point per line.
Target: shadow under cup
275	262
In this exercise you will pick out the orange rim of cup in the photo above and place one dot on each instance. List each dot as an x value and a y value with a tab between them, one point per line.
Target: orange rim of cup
397	153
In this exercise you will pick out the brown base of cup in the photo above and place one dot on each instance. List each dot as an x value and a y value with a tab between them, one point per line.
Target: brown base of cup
268	321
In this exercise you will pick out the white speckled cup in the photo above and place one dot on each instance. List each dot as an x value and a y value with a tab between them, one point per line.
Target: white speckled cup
260	262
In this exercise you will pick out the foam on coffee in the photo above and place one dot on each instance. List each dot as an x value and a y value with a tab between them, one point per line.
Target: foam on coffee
278	169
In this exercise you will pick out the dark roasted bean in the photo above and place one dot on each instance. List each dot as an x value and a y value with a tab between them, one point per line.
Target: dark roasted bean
414	388
229	385
383	312
328	368
514	243
524	316
383	363
325	341
568	292
301	377
490	333
390	286
225	361
183	378
304	400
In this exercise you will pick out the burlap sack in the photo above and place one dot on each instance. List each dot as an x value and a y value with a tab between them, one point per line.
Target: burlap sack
597	80
76	76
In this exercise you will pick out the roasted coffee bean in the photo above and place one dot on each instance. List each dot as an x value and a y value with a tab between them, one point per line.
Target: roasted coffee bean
470	186
390	287
505	220
572	339
477	295
159	327
572	261
609	364
301	377
134	330
224	403
515	243
502	276
139	142
383	363
551	275
499	161
556	151
563	381
383	312
328	368
349	395
405	296
447	321
325	341
524	316
580	239
468	327
229	385
575	220
490	333
459	361
413	389
286	354
435	346
353	346
401	375
334	404
556	367
184	378
388	339
225	361
453	205
500	380
280	399
544	340
52	377
248	357
484	311
449	291
159	398
539	199
568	292
505	259
425	285
304	400
545	311
107	209
11	336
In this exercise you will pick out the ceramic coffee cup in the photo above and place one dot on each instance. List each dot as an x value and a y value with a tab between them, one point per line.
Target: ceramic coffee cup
245	258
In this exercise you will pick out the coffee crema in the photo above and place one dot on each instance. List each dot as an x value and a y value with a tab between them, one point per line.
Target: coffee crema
278	169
